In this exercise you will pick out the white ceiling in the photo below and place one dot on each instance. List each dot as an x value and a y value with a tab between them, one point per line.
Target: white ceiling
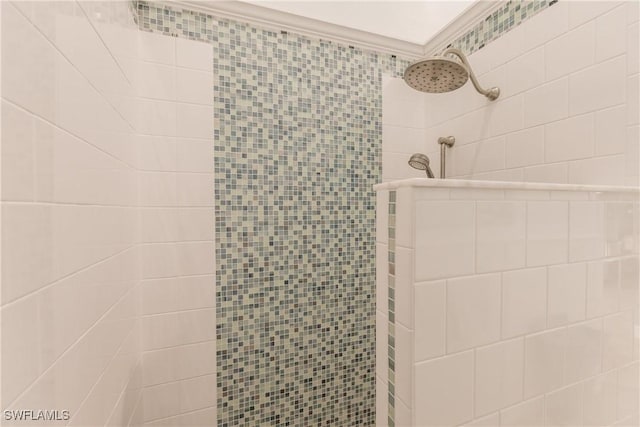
412	21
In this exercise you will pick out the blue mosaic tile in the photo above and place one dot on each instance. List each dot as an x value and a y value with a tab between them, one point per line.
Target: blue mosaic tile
391	285
298	137
298	145
511	14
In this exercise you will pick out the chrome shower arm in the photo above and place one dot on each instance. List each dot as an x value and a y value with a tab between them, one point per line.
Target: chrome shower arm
492	93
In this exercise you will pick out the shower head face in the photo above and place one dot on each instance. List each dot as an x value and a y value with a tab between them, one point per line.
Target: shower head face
419	161
436	75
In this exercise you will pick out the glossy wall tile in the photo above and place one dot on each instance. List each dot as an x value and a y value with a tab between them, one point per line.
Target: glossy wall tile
70	282
524	345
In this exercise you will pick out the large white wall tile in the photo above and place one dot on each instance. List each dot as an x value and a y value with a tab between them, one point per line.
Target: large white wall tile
600	399
430	318
525	147
401	105
525	72
156	48
506	115
444	390
611	33
164	400
473	311
610	131
399	139
580	42
174	329
546	103
583	358
195	418
544	360
564	407
586	91
567	294
382	403
194	54
633	46
547	233
528	413
500	235
445	239
194	121
176	294
586	230
478	157
629	282
546	26
194	189
488	421
524	301
617	346
18	153
556	173
581	13
633	112
39	95
628	393
602	287
607	170
156	117
156	153
569	139
498	380
405	222
190	86
404	340
156	81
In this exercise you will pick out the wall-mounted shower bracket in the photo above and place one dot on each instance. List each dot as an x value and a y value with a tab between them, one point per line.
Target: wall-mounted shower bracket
444	141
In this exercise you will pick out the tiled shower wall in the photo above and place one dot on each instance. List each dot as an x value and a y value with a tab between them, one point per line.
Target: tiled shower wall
513	306
70	274
568	109
297	143
174	85
567	113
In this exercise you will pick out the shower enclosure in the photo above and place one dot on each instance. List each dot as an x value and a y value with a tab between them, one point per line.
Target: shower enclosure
188	217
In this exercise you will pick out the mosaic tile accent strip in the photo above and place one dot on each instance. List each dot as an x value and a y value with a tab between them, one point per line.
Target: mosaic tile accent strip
507	17
392	308
298	146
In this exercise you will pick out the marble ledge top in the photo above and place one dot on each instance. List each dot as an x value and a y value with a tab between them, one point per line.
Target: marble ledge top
499	185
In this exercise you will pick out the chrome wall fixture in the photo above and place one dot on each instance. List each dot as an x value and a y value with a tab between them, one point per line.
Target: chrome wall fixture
439	74
444	141
421	162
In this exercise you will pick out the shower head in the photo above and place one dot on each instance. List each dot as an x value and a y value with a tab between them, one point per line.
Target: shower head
421	162
436	75
439	74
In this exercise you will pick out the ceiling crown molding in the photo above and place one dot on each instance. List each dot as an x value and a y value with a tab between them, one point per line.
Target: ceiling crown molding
282	21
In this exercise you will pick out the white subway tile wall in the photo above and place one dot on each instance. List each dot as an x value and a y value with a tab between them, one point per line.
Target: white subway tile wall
176	217
70	303
543	331
107	213
568	77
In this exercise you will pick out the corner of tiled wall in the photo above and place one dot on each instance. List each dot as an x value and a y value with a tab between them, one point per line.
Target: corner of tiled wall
70	279
555	120
174	84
